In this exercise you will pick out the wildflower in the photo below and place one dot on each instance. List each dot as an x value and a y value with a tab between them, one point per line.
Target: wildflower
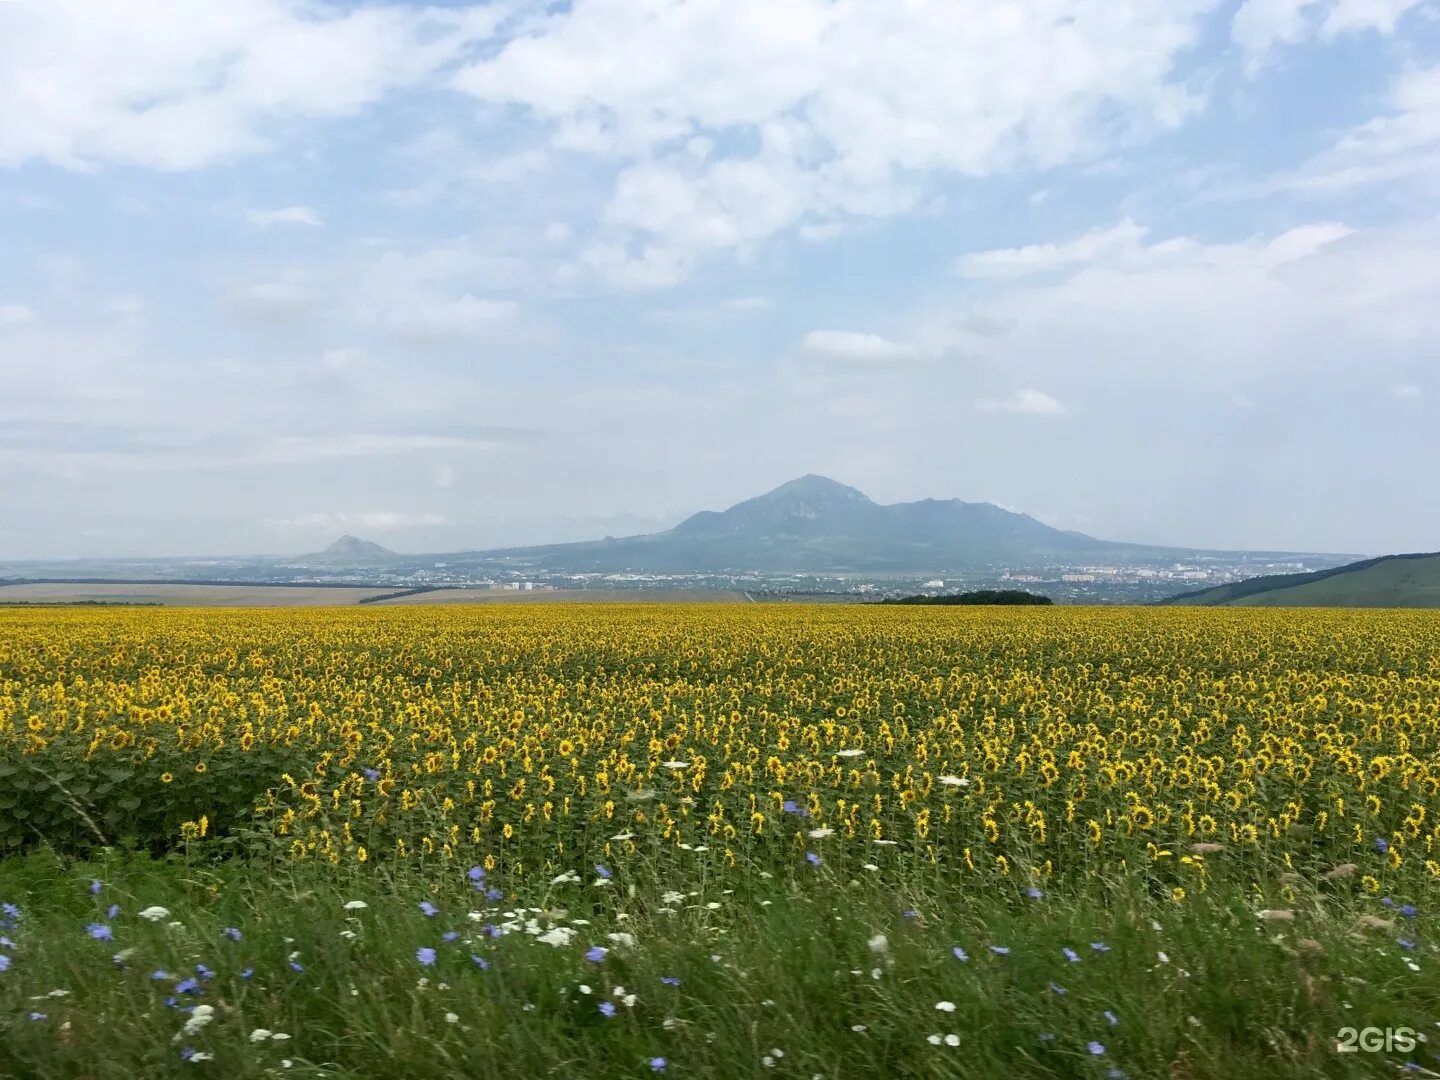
909	913
791	807
624	940
1034	893
1381	845
425	955
247	973
603	872
820	834
1071	955
657	1064
428	909
100	932
155	913
952	1039
1055	989
879	944
355	905
480	962
1099	946
295	965
812	858
1405	943
259	1035
1000	950
476	874
199	1017
959	953
160	976
607	1009
452	1018
596	953
95	888
954	781
232	933
849	753
188	986
112	911
1409	911
371	774
944	1006
1110	1018
204	972
493	894
1095	1048
1162	957
37	1016
676	764
859	1029
1046	1036
669	980
449	935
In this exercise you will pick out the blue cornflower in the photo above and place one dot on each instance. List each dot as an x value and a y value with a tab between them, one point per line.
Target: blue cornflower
1000	950
1409	910
95	888
187	1053
1054	989
1071	954
910	913
1095	1048
959	953
371	774
480	962
1382	845
669	980
295	965
603	872
1110	1018
450	935
10	911
607	1008
1034	893
792	807
425	955
232	933
1385	901
160	976
429	909
38	1016
812	858
657	1064
172	1002
247	973
1405	943
187	986
493	894
492	930
204	972
4	962
113	910
476	873
1099	946
100	932
596	953
6	943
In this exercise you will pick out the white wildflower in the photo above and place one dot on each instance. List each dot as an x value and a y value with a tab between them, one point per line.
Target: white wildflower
565	878
558	936
934	1040
879	944
821	833
355	905
199	1017
944	1006
676	764
954	781
201	1055
623	836
260	1035
623	939
849	753
952	1039
349	935
155	913
452	1018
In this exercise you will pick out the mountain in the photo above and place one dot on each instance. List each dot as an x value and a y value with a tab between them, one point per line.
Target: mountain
1389	581
819	525
352	551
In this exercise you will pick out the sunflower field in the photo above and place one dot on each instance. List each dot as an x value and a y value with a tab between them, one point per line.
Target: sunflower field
718	842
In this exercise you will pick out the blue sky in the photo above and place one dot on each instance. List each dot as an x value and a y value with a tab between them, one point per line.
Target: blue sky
462	275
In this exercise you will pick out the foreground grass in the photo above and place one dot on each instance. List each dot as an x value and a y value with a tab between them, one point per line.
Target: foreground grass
802	976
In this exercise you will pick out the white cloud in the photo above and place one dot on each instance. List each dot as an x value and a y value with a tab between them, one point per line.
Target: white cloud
850	108
180	86
288	215
1401	146
1260	26
366	520
1407	390
845	345
1033	402
15	315
1123	239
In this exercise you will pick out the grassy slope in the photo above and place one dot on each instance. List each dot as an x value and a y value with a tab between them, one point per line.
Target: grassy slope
1392	581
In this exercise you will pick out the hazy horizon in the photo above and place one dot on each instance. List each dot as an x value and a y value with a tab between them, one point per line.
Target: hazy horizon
460	276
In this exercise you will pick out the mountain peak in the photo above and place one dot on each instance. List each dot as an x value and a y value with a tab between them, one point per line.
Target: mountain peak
353	548
814	486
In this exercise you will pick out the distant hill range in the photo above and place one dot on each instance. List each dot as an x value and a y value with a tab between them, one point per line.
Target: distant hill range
815	524
1390	581
352	551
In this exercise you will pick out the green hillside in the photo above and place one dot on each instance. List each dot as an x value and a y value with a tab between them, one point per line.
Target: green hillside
1390	581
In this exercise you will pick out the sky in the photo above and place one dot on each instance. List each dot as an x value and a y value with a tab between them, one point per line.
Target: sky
463	275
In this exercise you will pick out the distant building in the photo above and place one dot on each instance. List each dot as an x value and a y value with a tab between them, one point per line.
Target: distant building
936	584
